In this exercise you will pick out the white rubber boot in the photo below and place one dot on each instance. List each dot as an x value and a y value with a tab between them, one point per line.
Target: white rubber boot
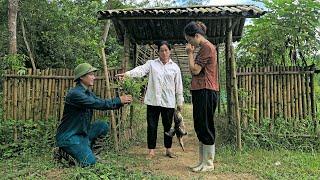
198	167
209	152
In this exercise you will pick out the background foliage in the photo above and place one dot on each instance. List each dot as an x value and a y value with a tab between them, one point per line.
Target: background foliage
287	35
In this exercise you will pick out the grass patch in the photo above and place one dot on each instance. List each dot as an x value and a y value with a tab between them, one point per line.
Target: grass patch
41	166
31	157
275	164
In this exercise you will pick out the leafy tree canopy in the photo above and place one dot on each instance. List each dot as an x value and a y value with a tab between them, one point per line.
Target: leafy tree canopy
287	35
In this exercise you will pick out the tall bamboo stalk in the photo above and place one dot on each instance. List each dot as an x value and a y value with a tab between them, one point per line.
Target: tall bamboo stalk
105	67
5	97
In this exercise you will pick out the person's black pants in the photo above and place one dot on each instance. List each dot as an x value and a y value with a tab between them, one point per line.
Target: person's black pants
204	105
153	113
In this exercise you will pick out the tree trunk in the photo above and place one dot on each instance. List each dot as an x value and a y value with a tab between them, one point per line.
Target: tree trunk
27	44
12	25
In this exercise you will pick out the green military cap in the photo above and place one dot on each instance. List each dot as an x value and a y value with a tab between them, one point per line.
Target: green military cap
83	69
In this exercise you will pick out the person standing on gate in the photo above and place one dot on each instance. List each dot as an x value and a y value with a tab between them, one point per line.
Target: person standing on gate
204	88
76	134
164	92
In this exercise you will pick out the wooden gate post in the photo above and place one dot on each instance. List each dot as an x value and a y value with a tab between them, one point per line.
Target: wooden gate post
233	88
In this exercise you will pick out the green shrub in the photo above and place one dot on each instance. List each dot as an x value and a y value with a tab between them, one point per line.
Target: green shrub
18	136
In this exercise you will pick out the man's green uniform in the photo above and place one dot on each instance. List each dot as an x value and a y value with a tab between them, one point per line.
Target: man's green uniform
76	132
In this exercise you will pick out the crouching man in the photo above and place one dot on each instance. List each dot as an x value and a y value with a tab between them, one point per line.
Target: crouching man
76	133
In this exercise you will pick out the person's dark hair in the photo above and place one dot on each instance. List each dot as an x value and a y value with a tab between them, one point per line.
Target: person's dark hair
192	28
163	43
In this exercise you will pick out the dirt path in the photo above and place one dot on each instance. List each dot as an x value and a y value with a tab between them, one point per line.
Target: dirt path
179	166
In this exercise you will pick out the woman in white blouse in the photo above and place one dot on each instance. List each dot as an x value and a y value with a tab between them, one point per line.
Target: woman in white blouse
164	93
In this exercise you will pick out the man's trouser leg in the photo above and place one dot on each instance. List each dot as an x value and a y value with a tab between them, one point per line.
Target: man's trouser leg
98	129
81	152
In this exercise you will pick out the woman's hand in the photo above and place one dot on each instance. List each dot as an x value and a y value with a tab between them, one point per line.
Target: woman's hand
121	76
190	48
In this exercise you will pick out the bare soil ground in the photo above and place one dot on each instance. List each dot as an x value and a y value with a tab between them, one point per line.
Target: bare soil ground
178	168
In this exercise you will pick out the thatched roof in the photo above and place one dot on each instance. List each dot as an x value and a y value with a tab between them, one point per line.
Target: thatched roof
148	26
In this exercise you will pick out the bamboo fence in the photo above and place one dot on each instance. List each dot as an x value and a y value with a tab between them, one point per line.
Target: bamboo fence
267	92
40	95
272	92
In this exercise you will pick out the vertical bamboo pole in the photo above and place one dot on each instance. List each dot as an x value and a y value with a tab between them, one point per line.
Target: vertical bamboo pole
44	93
17	103
10	97
21	98
5	97
18	106
249	90
98	91
218	64
257	95
288	93
260	94
38	96
296	94
24	95
15	97
48	105
285	92
280	92
253	97
62	89
58	93
131	120
228	74
308	94
14	106
313	105
33	91
239	83
276	98
103	86
271	92
272	96
292	93
247	100
304	97
265	93
53	95
105	67
234	87
124	112
235	96
268	93
300	95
